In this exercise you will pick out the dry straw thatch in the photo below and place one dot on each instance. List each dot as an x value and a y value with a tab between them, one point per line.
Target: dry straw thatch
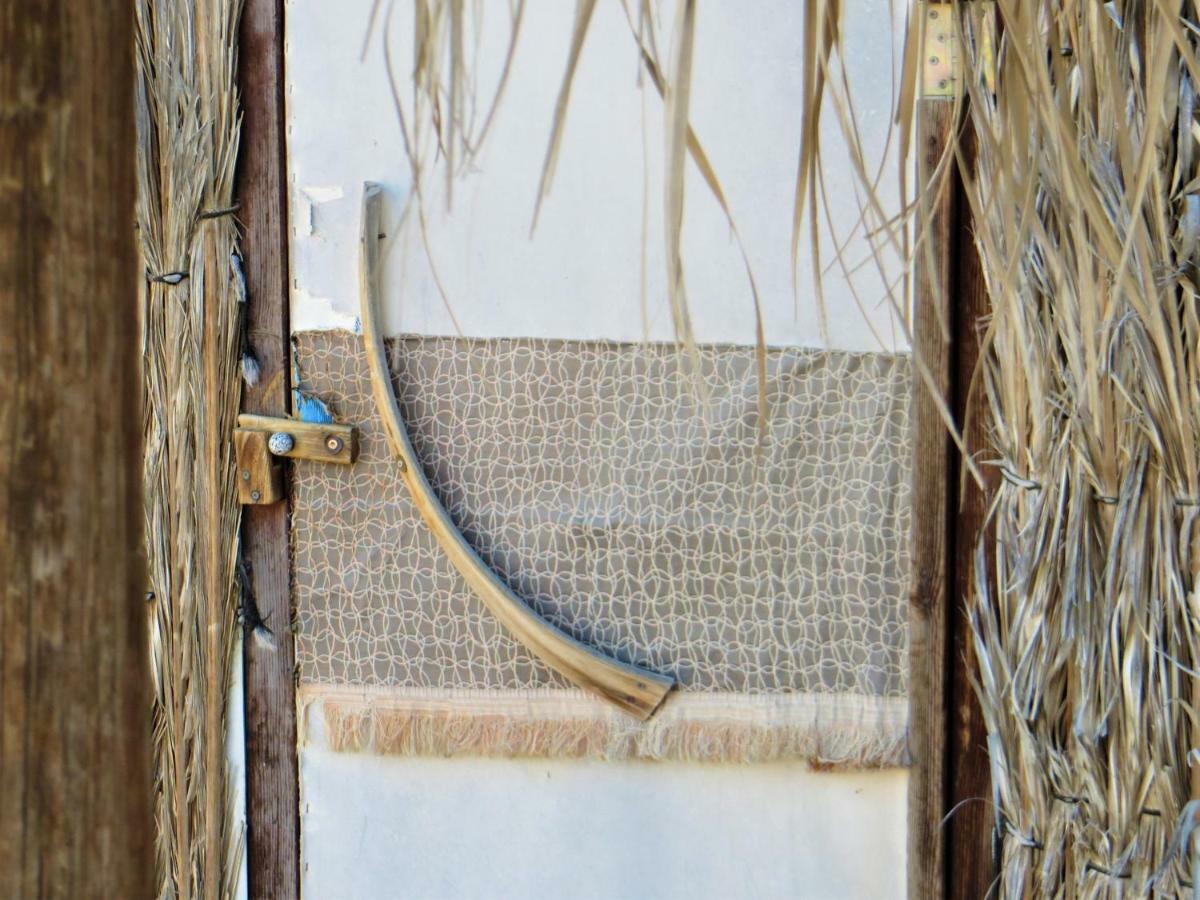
188	127
1085	608
445	115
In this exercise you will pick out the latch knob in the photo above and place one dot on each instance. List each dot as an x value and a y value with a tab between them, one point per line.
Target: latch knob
281	443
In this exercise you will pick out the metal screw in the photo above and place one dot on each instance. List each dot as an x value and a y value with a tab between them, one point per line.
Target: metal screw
280	443
245	474
333	444
255	496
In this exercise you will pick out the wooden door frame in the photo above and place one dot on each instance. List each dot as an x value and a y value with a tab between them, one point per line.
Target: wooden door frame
950	843
950	818
272	768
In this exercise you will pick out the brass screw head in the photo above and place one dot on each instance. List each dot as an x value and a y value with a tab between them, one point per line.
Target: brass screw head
333	443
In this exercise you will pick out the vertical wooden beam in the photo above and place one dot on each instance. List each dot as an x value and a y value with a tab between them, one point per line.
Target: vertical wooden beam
75	783
272	774
970	866
932	500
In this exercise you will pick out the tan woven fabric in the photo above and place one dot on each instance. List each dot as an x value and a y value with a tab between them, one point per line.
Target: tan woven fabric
634	511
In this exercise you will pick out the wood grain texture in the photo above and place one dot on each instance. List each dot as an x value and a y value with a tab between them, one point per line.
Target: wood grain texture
259	473
272	775
931	540
324	443
970	866
75	782
637	691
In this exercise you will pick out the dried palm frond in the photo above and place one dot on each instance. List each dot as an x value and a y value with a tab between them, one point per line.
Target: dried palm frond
1085	200
443	85
678	98
188	127
441	117
1085	608
583	18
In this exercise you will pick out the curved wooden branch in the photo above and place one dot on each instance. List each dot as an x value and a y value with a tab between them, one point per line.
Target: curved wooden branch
637	691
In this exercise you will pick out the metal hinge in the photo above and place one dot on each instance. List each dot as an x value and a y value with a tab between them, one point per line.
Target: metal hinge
941	66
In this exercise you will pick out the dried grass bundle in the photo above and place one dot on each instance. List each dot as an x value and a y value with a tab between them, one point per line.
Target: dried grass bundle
1085	198
442	117
188	128
445	116
1085	608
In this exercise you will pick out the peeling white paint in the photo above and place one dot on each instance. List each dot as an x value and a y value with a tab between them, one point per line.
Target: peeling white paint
310	313
316	194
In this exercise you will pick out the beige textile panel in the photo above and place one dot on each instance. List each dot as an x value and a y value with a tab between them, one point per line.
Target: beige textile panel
631	504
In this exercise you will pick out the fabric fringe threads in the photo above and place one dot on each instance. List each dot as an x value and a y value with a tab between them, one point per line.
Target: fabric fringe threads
188	130
865	732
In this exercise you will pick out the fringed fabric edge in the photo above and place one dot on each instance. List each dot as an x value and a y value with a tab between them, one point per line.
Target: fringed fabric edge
832	731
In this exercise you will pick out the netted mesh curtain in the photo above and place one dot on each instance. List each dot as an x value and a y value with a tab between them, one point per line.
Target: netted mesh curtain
632	492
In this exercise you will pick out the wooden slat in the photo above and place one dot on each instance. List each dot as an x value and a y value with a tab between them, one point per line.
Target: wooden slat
970	867
259	473
323	443
75	782
272	779
932	473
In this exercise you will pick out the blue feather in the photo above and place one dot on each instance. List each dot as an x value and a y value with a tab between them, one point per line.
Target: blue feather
310	409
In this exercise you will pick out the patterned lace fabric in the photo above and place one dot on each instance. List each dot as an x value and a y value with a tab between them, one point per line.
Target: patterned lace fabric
628	501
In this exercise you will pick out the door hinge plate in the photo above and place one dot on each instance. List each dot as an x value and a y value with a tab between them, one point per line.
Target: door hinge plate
941	46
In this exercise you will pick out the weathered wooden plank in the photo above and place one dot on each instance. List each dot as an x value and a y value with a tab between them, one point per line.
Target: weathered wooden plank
931	498
970	868
272	779
324	443
260	475
75	783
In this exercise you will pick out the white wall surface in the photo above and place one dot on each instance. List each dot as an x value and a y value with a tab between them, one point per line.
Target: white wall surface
376	827
422	828
235	757
580	276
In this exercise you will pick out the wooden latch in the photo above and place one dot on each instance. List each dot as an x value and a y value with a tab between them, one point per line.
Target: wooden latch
260	442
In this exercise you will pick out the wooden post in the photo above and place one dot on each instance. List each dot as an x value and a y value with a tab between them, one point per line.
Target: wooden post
950	815
932	499
272	774
75	783
970	866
